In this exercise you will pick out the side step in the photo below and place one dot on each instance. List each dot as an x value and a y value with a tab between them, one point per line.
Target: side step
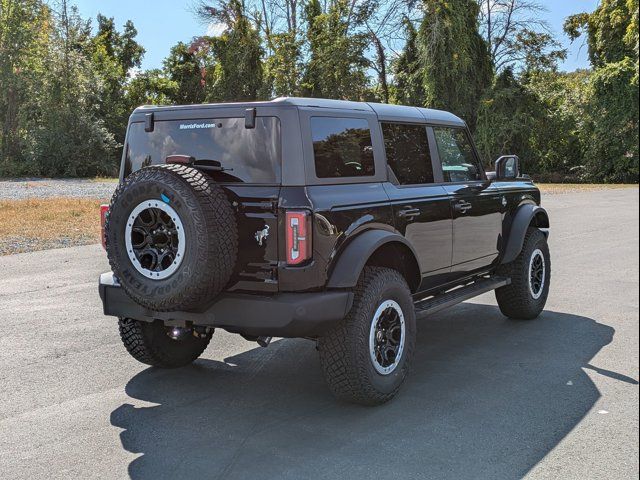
458	295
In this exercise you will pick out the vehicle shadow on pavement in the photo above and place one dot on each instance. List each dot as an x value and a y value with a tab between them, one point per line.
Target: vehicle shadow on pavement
487	398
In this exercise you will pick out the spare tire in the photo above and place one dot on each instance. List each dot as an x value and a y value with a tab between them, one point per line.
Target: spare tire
171	237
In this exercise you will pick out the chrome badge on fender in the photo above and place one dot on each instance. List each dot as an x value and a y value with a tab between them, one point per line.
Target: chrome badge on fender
261	235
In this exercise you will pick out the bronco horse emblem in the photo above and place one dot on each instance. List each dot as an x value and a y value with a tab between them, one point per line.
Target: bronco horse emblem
261	235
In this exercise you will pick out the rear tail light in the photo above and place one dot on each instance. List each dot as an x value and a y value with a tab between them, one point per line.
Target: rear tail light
298	236
104	211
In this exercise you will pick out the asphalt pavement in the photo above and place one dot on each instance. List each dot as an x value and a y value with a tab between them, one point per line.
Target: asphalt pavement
487	397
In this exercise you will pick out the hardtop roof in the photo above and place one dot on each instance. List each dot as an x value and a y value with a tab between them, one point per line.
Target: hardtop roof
382	110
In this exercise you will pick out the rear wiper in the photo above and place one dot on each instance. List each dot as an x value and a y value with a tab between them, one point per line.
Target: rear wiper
203	163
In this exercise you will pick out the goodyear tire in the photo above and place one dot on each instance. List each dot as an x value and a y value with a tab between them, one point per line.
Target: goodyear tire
367	357
171	237
149	343
530	273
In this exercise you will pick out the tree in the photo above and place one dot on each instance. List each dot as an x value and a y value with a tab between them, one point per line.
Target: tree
234	67
186	71
114	56
279	20
506	119
69	138
283	66
336	66
512	28
455	62
152	87
408	75
384	21
612	141
24	31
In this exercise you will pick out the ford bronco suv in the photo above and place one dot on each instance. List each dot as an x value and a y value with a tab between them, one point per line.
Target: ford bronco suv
336	221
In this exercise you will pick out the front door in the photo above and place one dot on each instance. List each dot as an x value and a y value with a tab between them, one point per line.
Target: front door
476	204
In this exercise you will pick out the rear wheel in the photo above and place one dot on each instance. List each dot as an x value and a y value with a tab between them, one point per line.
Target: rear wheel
166	347
366	358
530	275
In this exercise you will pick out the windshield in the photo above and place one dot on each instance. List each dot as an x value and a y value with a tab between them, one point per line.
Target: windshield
246	155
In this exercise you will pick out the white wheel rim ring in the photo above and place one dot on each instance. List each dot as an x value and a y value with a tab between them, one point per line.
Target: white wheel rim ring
537	253
372	337
160	205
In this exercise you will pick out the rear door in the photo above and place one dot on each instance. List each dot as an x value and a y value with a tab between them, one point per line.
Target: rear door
476	204
421	207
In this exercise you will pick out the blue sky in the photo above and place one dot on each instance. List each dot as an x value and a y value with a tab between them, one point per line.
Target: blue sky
163	23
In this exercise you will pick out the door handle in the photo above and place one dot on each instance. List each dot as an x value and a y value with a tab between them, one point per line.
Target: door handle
409	213
462	206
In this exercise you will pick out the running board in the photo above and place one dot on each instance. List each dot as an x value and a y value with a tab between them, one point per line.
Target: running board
460	294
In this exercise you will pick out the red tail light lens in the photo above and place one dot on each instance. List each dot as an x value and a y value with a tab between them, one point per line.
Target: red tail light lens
298	236
104	211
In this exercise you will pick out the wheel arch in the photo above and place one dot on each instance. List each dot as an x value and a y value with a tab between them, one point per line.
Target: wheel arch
526	216
376	248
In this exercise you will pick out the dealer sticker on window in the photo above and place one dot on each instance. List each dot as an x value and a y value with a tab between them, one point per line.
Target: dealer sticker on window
193	126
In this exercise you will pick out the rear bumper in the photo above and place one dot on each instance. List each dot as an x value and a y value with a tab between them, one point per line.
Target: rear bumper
280	315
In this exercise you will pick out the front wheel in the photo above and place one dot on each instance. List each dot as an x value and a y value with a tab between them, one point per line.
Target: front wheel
530	275
366	358
154	344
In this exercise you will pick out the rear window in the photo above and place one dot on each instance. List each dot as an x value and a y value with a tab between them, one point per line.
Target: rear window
342	147
248	155
408	154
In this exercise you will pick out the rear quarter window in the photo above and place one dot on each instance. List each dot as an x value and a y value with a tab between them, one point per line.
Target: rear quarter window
248	155
342	147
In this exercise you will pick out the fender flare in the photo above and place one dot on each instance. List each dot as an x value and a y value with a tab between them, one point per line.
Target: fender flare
349	264
524	216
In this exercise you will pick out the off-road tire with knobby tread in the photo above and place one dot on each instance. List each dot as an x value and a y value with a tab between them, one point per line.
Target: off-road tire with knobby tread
515	300
210	229
344	351
149	343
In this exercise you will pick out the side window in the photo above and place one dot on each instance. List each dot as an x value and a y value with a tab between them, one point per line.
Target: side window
408	153
342	147
459	163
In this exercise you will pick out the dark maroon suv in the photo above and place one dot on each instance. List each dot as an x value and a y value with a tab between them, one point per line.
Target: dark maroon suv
341	222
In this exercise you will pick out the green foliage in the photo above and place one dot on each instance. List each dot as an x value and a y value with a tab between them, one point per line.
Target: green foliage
114	55
612	143
609	30
455	62
238	52
67	89
70	138
24	30
538	51
152	87
337	66
183	69
556	138
506	117
283	66
409	89
611	136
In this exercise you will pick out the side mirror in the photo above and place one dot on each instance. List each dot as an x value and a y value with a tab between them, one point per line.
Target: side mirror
507	167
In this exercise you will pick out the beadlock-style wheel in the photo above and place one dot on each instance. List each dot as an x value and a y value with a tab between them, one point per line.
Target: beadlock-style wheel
155	239
366	357
537	272
530	273
386	337
171	237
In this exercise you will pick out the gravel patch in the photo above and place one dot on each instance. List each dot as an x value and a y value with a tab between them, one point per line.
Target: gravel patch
21	189
12	245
